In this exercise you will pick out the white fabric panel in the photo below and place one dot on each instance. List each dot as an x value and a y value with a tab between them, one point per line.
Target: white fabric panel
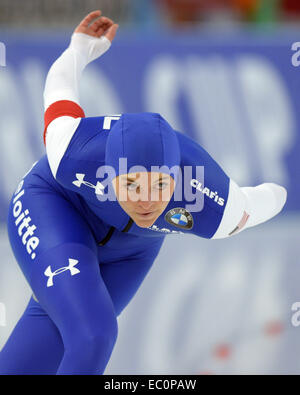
59	134
235	207
63	78
262	203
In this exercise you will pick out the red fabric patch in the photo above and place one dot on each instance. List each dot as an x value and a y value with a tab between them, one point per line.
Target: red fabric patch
59	109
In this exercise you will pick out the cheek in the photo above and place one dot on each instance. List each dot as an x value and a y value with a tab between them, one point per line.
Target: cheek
164	198
165	195
122	195
125	197
128	206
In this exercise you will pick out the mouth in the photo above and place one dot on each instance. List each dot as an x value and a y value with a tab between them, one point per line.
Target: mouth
146	215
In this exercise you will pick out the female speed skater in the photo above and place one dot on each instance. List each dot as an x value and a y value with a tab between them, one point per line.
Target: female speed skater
88	220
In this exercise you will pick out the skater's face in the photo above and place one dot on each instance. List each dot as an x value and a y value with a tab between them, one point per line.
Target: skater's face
144	196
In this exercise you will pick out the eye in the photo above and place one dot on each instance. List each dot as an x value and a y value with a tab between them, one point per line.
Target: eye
161	185
132	186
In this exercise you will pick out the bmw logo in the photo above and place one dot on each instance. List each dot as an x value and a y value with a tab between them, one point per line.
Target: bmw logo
180	218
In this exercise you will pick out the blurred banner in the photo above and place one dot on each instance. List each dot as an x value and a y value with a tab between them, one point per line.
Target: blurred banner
206	306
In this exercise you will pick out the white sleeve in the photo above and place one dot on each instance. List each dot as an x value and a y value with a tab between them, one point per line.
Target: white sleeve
250	206
60	133
62	82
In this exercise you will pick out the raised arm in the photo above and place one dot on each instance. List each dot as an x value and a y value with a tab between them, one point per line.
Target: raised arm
91	39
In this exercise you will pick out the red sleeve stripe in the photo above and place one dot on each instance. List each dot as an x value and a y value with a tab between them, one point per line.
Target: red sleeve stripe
59	109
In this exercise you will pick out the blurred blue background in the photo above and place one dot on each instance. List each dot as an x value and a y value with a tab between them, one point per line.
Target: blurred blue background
224	73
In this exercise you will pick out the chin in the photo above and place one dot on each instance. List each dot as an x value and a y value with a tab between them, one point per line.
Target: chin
144	224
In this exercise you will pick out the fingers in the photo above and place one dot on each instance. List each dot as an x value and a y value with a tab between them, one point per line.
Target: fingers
101	25
111	32
88	19
95	26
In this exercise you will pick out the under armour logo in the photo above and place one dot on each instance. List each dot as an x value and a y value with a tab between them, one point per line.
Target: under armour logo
80	180
73	270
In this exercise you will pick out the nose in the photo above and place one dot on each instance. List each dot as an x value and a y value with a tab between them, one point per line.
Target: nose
146	204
